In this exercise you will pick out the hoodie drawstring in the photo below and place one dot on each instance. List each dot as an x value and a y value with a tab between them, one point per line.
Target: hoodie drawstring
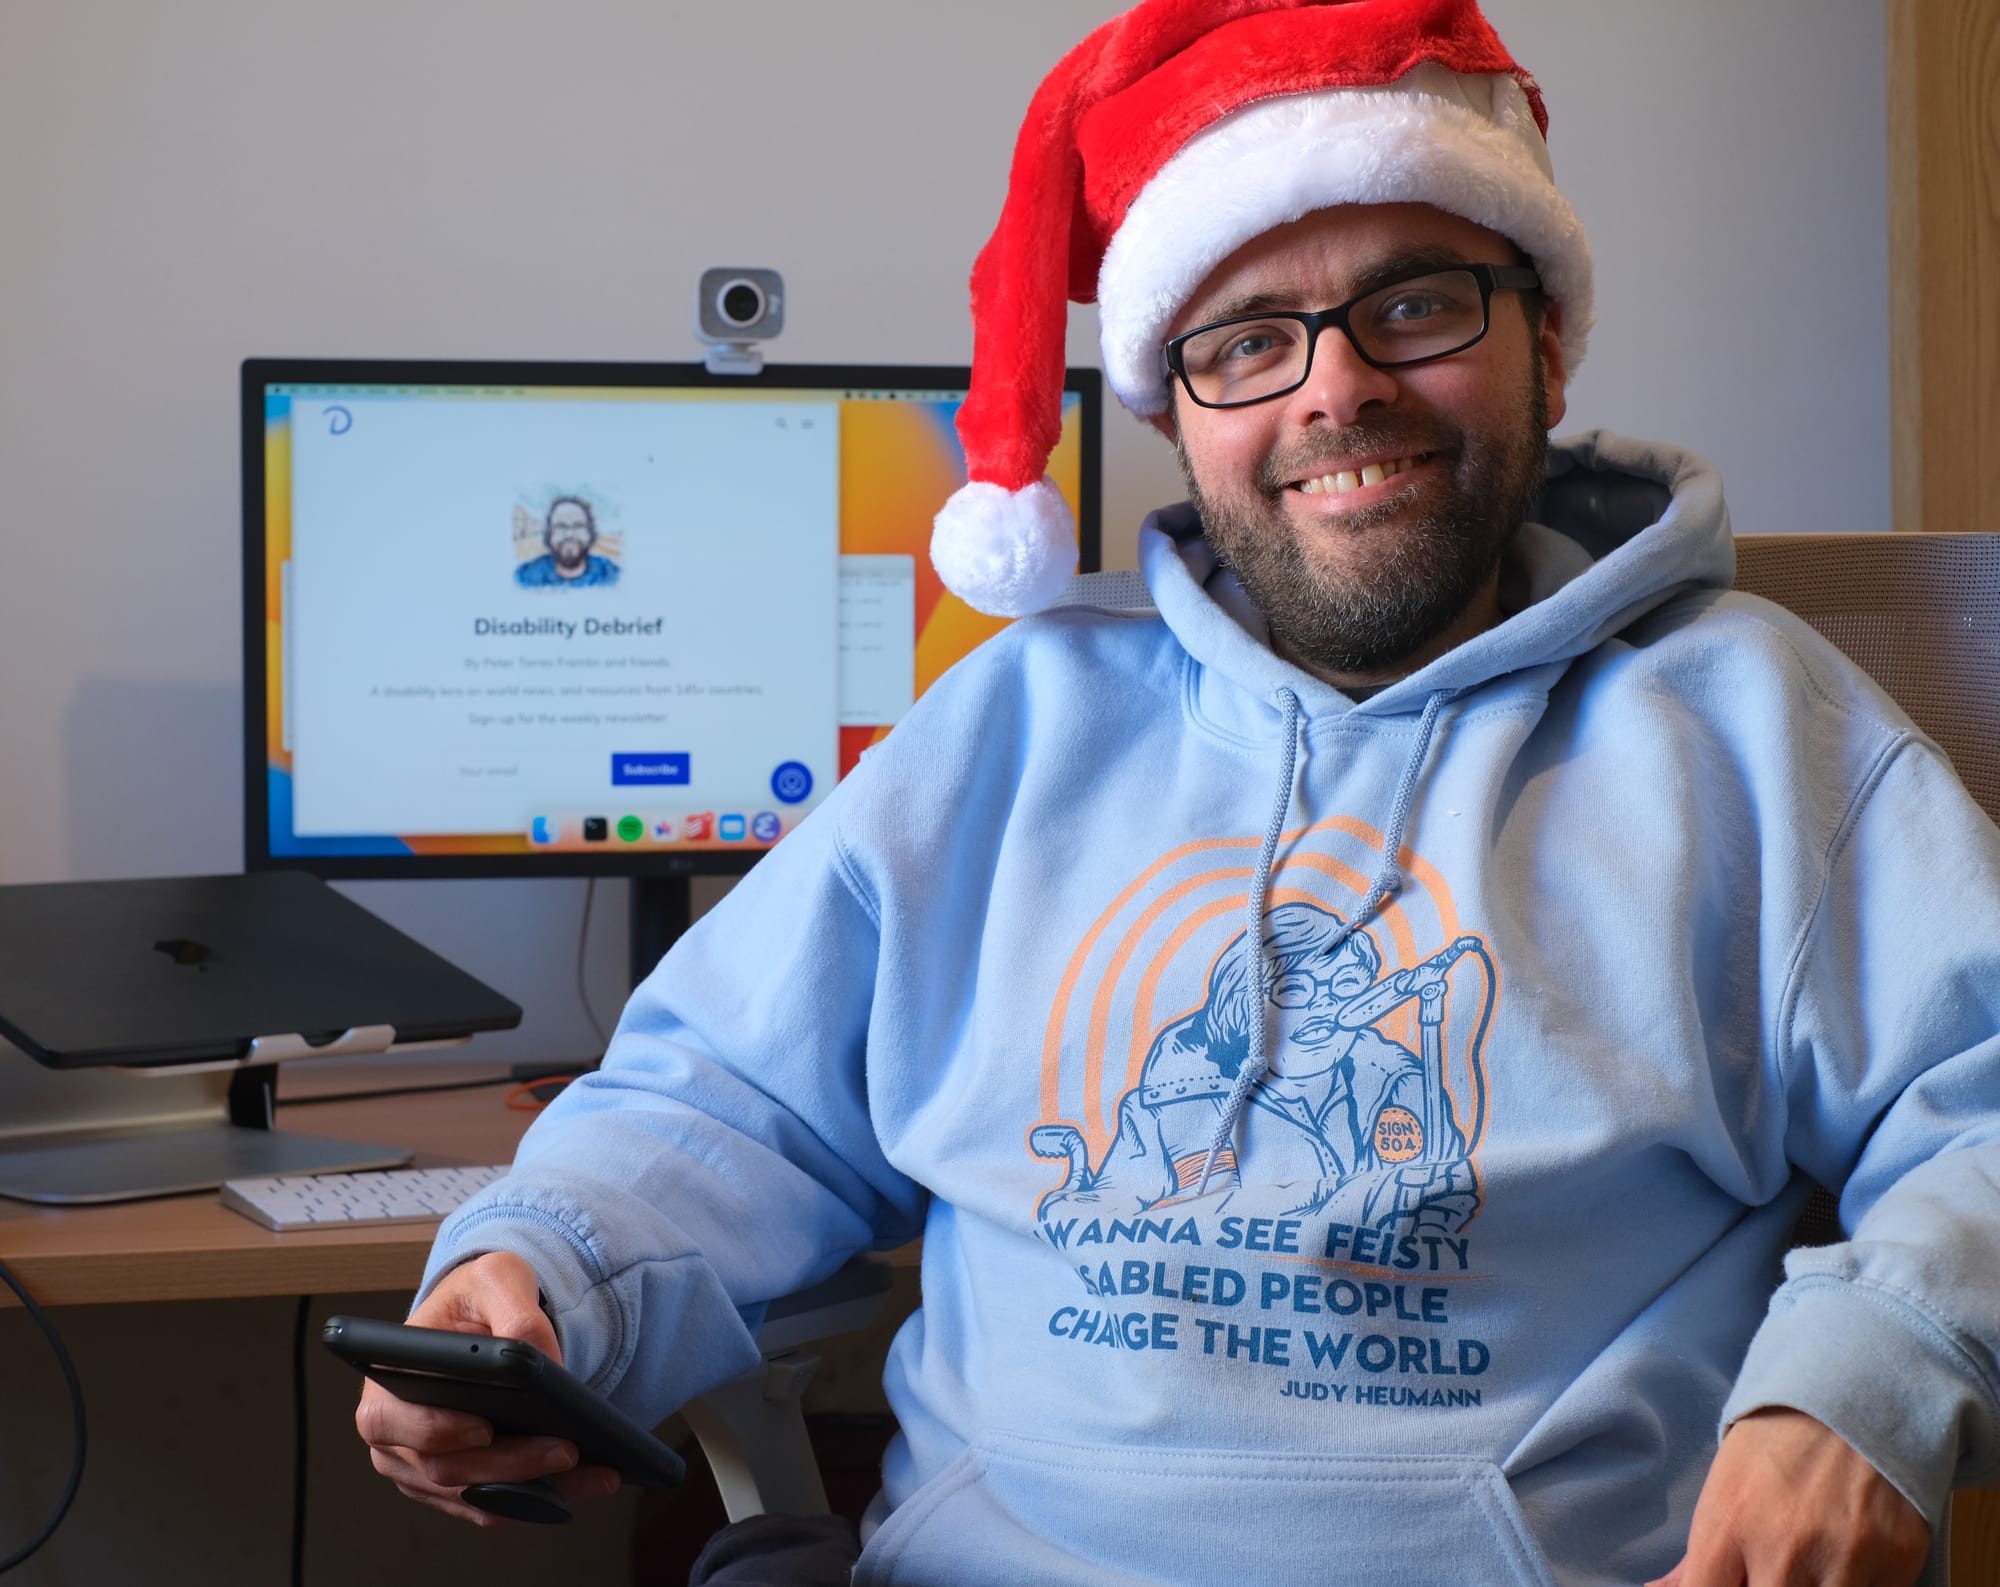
1388	880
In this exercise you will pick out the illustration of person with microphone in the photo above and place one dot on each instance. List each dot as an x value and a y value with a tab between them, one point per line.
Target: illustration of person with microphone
1362	1126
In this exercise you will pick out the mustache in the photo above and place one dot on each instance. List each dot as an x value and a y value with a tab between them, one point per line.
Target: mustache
1336	454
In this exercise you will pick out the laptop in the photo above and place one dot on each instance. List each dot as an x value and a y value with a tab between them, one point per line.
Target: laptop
197	968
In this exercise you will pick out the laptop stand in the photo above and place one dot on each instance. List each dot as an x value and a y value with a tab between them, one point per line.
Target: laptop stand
80	1136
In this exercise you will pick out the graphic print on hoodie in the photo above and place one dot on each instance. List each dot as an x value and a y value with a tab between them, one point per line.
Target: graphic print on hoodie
1354	1157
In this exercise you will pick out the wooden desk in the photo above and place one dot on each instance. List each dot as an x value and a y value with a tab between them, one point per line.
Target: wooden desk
194	1248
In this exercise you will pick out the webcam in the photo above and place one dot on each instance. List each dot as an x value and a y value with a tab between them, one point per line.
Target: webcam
734	310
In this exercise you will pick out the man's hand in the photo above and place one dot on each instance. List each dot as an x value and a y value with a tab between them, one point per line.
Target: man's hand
1789	1504
432	1454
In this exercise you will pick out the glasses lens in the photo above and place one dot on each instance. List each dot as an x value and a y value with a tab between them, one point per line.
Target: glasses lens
1244	360
1423	318
1293	991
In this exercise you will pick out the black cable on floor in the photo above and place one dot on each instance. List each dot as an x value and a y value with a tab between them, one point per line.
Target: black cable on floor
76	1410
299	1441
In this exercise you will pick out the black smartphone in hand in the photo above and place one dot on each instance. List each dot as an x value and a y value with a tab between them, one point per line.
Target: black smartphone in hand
516	1388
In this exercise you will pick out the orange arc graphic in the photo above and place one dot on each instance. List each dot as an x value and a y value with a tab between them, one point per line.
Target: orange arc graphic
1107	986
1052	1041
1098	1134
1059	1010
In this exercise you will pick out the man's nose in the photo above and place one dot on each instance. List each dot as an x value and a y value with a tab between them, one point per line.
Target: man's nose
1341	383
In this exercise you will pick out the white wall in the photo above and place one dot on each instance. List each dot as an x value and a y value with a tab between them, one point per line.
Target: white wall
1731	163
185	185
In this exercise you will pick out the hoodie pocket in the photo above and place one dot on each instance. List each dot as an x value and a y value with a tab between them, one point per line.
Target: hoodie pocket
1041	1513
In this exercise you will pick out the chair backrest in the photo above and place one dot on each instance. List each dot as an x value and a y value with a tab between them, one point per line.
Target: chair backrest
1919	613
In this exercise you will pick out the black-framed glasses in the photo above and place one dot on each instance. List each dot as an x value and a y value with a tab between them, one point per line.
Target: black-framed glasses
1255	357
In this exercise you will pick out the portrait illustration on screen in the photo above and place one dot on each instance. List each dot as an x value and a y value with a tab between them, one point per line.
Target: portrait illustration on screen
563	548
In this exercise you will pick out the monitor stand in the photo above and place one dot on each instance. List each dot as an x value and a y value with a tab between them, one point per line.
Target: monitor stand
662	907
72	1137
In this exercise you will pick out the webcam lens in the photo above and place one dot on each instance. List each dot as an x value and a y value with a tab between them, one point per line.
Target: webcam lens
742	303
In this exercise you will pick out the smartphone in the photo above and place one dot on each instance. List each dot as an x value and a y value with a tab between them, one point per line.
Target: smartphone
516	1388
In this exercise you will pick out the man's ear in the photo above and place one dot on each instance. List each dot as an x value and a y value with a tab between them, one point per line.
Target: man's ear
1556	372
1163	421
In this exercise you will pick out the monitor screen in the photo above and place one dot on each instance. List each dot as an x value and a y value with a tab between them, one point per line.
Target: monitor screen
554	619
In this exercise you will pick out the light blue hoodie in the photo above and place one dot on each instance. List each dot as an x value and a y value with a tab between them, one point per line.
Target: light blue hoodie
1683	911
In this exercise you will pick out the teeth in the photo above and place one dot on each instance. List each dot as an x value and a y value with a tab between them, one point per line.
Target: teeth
1347	480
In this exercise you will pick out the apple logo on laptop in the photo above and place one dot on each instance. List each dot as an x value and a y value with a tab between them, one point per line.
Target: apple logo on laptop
185	950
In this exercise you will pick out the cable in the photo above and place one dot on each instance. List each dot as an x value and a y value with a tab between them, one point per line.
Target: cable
582	945
507	1079
76	1410
522	1098
299	1441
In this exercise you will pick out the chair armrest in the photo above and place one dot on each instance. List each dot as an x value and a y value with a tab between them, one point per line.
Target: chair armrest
752	1428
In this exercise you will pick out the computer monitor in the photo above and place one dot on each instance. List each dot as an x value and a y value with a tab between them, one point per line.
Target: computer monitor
548	619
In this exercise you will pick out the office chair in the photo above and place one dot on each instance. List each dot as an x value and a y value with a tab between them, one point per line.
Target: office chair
752	1429
1920	614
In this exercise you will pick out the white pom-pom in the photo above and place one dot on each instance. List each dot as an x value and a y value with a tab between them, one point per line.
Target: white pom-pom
1005	552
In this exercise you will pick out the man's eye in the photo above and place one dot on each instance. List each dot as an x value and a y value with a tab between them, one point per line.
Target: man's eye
1256	345
1235	353
1411	307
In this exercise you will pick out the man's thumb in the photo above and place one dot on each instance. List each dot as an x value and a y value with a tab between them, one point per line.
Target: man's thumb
530	1325
504	1299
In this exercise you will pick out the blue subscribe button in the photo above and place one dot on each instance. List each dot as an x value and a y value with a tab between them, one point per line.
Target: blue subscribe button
649	771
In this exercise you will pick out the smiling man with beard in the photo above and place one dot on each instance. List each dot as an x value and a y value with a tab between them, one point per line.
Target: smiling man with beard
568	562
1642	861
1365	580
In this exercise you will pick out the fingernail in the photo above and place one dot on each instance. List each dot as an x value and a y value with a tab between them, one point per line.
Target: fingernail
609	1483
560	1457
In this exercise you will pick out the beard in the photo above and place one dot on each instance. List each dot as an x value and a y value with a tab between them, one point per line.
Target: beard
1415	576
570	553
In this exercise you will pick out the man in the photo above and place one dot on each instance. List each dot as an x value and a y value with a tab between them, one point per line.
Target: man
1650	856
569	532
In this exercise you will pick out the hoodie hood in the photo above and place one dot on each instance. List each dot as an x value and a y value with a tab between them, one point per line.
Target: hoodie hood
1622	527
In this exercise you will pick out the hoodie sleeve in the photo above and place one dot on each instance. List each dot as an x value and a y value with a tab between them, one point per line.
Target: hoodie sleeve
1889	1043
723	1156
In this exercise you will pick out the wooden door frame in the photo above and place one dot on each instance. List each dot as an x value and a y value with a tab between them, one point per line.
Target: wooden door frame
1944	263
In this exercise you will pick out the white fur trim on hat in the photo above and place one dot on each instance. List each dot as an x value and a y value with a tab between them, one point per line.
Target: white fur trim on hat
1467	145
1005	552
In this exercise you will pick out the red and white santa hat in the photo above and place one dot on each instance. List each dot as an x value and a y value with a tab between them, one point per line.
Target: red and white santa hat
1164	142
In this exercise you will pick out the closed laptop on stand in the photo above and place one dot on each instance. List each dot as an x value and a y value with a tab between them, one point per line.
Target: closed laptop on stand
178	974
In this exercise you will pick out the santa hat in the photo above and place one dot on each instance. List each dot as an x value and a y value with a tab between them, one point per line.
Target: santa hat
1164	142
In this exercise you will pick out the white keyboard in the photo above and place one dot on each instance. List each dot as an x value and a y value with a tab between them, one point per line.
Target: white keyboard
321	1201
